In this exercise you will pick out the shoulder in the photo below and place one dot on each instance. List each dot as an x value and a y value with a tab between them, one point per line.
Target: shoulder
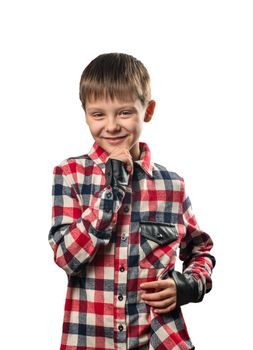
167	179
73	165
170	181
162	171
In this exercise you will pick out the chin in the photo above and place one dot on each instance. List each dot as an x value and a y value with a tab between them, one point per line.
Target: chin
107	148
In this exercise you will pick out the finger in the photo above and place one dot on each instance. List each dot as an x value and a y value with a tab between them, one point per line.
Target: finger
130	165
124	156
120	153
161	284
129	169
165	310
161	295
162	304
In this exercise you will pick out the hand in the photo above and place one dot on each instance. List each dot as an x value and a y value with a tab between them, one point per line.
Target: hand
124	155
161	295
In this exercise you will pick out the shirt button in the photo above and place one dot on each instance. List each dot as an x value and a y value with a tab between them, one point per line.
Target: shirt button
108	195
120	328
123	237
159	235
120	297
122	269
107	210
126	209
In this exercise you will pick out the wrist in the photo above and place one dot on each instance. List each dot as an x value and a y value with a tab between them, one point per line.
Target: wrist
187	288
115	173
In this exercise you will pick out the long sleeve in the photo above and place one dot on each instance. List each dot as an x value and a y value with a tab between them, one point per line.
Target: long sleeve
75	235
198	263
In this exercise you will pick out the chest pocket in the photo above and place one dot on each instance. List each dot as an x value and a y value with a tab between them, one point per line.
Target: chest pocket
158	244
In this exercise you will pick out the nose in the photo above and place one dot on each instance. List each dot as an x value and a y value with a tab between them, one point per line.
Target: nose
112	125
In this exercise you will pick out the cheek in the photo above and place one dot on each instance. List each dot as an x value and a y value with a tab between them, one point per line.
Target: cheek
135	126
95	129
136	131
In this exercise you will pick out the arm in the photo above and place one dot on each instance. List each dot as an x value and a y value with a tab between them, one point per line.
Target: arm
76	236
198	263
191	285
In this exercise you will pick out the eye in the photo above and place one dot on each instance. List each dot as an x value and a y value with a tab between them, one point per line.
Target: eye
97	115
126	113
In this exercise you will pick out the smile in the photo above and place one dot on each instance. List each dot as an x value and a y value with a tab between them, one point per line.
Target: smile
115	140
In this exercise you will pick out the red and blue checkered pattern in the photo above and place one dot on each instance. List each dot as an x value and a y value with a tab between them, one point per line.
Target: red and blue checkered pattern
96	236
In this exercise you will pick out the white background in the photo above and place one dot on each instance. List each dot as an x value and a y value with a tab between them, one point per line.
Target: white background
199	55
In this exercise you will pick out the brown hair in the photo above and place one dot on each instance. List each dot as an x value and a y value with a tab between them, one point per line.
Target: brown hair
115	75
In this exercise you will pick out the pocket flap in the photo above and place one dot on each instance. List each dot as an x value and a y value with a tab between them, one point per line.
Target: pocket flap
159	232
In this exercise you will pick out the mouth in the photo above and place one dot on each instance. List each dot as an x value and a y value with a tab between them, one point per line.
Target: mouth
115	140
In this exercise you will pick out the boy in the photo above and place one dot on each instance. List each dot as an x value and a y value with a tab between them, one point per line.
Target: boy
117	221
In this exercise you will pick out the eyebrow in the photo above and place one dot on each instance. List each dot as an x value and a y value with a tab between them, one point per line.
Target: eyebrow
100	109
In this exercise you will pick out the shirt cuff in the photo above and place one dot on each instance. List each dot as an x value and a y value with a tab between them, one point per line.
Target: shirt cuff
116	174
187	288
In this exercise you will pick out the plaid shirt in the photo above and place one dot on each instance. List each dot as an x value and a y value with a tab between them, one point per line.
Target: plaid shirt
99	237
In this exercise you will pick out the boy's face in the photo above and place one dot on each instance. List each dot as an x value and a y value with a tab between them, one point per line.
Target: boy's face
115	123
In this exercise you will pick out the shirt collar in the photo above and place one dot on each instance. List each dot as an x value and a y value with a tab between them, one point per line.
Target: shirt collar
100	156
145	159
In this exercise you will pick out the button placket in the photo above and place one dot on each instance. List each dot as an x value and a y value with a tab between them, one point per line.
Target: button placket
122	255
123	237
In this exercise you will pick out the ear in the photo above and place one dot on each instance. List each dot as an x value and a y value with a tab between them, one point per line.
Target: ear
149	111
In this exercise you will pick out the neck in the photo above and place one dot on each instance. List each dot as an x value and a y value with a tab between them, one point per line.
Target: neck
135	151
